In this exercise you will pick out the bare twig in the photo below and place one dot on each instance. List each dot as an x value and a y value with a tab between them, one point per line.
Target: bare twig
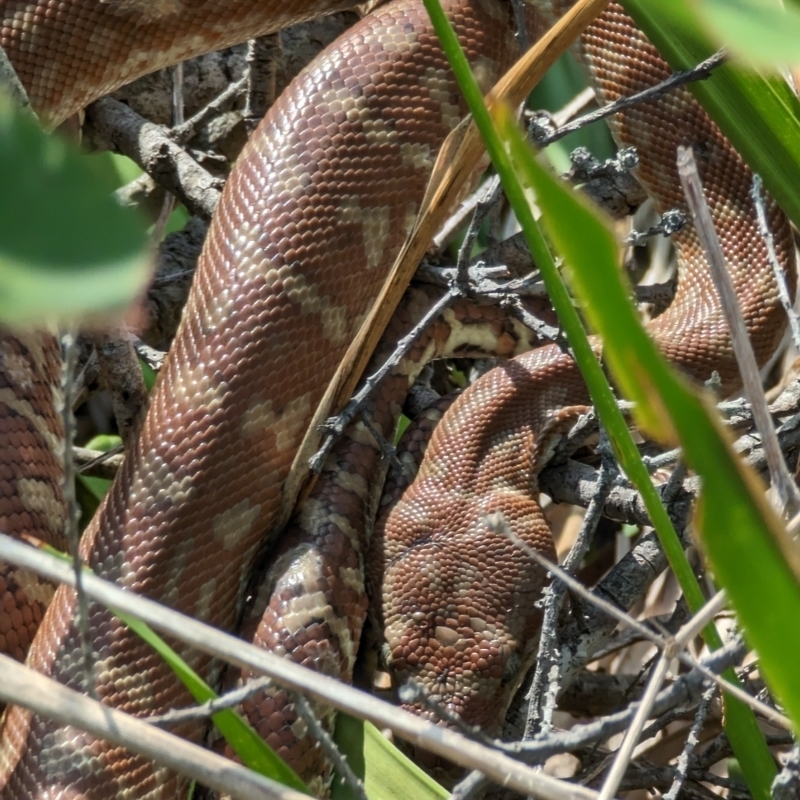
98	465
263	55
205	710
780	276
152	357
151	147
702	71
46	697
692	740
168	206
320	735
673	650
670	222
496	522
333	428
539	717
625	752
184	132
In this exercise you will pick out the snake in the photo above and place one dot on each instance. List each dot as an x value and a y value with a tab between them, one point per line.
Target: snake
311	217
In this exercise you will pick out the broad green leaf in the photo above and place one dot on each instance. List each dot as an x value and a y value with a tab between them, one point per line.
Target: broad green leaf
387	774
67	251
760	116
762	32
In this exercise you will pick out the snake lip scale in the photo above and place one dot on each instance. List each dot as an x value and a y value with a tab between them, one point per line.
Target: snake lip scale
332	178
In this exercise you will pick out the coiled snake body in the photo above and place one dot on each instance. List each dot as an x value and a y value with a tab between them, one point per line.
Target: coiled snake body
332	179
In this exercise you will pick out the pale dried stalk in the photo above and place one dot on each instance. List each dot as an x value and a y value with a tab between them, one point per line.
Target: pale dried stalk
784	487
50	699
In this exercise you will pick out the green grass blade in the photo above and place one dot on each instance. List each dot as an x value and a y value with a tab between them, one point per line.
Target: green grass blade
760	115
254	752
732	498
763	32
741	726
387	774
602	396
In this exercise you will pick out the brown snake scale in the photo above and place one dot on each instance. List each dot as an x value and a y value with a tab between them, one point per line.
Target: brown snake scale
312	216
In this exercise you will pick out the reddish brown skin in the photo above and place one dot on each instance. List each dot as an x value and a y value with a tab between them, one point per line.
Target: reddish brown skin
250	360
309	222
314	591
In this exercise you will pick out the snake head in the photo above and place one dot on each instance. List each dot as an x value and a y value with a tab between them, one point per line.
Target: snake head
464	630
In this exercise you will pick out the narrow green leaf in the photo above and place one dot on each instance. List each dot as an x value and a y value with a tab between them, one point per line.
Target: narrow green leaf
67	251
254	752
760	116
601	394
742	537
762	32
387	773
741	726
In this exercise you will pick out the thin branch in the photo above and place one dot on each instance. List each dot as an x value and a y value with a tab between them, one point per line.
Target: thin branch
263	55
231	699
692	740
95	464
538	717
187	130
50	699
334	427
69	353
699	73
780	275
497	523
152	148
625	752
671	222
320	735
685	691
